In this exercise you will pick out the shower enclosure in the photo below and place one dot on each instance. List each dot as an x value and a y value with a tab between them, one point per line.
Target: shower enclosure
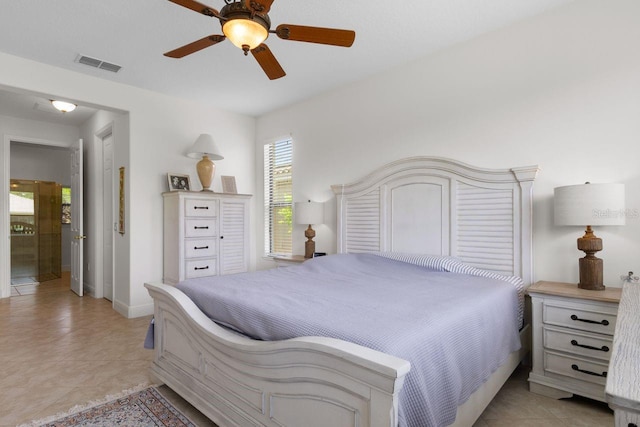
35	209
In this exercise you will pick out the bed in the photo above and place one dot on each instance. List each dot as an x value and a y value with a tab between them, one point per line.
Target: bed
417	205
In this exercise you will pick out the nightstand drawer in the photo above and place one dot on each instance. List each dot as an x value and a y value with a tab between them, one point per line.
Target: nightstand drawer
200	227
590	371
585	318
200	208
200	268
578	343
199	248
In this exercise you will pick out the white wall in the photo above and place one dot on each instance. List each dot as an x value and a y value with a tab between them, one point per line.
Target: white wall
561	90
159	131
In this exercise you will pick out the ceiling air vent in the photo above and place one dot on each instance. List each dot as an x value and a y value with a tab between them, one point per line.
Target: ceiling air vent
97	63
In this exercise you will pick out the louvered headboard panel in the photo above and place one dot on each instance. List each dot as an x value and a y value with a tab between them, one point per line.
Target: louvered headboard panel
441	207
363	222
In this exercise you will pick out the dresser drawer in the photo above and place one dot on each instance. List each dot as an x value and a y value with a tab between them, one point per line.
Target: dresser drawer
200	248
589	371
200	208
200	268
585	318
200	227
578	343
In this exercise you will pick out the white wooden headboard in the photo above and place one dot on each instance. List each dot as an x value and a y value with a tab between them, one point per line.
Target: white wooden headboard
440	206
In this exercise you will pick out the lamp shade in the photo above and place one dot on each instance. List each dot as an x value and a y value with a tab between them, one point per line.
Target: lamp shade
309	213
589	204
205	146
245	32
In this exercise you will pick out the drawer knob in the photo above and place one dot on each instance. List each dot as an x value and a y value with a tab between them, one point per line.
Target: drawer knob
200	207
206	227
602	322
200	247
595	374
590	347
201	268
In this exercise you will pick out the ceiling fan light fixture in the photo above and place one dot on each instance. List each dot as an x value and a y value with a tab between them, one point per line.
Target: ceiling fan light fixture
63	106
245	33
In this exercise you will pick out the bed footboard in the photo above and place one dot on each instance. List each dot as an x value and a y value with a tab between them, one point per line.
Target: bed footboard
236	381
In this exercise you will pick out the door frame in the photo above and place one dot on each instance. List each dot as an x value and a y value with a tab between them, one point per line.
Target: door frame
98	137
5	220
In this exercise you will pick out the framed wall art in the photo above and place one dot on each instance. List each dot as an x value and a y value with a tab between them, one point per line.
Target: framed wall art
121	199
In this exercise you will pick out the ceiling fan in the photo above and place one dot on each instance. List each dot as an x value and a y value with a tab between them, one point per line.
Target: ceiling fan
247	25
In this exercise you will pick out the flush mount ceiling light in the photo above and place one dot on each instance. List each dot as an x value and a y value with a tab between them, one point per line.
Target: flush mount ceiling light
63	106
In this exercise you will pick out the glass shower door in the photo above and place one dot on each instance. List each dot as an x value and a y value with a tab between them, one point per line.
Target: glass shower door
35	209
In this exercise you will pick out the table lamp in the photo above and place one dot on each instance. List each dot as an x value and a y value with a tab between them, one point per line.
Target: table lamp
589	204
206	148
309	213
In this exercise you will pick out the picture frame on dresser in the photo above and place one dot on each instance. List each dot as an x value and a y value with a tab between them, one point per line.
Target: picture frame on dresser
179	182
229	184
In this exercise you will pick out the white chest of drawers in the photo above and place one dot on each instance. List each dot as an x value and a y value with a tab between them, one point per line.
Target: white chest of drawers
205	234
572	339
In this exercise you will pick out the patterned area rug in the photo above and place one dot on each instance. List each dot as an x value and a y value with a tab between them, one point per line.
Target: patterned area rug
145	408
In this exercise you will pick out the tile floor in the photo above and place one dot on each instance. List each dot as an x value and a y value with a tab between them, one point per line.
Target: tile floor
58	350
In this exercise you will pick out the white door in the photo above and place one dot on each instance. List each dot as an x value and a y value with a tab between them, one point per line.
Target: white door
107	223
76	218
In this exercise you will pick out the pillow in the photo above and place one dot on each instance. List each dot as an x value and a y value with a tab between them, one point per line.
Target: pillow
434	262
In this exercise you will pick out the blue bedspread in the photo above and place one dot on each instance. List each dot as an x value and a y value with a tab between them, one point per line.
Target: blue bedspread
455	329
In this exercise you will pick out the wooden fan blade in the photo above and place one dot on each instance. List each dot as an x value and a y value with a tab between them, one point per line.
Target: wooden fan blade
320	35
268	62
195	46
259	6
198	7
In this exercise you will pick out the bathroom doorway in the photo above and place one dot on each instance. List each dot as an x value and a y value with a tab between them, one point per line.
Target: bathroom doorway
35	209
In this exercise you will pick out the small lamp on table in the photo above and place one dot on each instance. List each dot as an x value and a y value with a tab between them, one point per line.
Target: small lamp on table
206	148
311	213
587	205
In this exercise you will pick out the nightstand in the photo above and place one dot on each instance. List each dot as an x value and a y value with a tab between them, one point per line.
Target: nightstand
289	260
572	339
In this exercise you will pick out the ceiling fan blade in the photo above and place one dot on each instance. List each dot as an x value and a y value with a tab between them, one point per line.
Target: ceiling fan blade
268	62
198	7
195	46
259	6
320	35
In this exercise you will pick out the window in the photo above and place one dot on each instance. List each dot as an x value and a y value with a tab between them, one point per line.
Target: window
278	196
66	205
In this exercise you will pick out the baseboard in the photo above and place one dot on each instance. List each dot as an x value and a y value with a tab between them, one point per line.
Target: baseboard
88	289
131	312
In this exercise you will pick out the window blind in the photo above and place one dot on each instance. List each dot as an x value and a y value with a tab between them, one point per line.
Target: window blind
278	191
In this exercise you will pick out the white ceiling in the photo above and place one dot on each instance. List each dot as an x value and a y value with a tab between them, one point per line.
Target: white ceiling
135	33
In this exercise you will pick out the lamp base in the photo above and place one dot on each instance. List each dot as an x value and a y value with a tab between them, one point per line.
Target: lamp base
591	267
309	245
206	169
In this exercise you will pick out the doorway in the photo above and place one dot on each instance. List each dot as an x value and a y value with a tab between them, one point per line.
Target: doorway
35	209
33	126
